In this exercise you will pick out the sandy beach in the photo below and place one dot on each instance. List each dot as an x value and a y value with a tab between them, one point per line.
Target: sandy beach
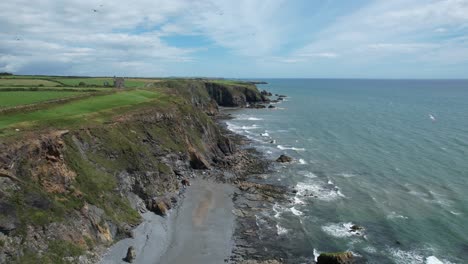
199	230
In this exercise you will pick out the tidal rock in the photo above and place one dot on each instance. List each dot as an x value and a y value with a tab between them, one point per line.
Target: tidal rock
131	255
266	93
335	258
185	182
284	158
271	106
355	228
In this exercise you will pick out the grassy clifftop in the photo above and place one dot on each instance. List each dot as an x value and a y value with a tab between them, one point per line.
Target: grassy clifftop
74	174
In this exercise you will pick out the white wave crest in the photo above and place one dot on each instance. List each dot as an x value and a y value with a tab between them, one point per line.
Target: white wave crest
296	212
341	230
280	230
319	191
290	148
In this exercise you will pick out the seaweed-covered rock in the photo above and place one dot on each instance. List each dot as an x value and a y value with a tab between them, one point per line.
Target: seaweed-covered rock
335	258
283	158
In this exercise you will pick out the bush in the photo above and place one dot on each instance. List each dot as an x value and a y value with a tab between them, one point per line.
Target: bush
6	73
82	84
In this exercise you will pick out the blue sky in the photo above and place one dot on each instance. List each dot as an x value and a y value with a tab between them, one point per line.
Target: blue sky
236	39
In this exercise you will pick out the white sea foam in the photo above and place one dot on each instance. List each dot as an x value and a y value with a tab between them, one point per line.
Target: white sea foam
319	191
406	257
433	260
291	148
302	162
341	230
370	249
316	254
265	134
347	175
307	174
296	212
330	182
280	230
394	215
298	201
278	210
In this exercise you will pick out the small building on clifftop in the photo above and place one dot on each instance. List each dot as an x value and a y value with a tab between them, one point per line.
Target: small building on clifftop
119	82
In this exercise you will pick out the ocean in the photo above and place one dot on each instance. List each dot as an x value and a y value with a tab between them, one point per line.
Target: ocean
389	156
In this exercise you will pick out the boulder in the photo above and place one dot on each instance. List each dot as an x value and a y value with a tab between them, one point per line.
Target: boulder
335	258
185	182
355	228
131	255
266	93
158	206
284	158
271	106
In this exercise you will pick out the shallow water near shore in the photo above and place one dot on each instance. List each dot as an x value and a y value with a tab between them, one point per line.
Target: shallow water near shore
386	155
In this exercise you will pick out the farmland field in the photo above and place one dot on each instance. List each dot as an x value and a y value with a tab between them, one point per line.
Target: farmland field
77	111
26	82
99	82
15	98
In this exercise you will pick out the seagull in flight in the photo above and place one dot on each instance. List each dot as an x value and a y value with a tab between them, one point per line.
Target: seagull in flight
432	117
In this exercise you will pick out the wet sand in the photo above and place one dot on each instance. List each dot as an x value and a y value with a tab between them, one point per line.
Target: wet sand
199	230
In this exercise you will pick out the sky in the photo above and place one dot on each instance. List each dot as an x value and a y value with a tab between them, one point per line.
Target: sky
236	38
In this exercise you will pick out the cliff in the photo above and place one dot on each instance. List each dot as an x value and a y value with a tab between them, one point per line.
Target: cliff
67	194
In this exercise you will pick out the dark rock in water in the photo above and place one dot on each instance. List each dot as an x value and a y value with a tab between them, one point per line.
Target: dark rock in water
335	258
271	106
131	255
284	158
279	99
256	106
185	182
266	93
274	101
355	228
294	191
282	96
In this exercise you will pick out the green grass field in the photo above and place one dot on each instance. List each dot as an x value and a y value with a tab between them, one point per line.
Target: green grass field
130	83
87	81
15	98
78	111
26	82
46	88
51	81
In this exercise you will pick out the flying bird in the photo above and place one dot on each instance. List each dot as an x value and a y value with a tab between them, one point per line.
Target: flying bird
432	117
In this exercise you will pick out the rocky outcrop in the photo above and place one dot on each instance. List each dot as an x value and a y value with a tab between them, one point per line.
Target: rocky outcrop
233	95
335	258
131	255
284	158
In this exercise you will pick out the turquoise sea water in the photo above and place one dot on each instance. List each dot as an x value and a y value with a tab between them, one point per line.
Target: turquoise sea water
387	155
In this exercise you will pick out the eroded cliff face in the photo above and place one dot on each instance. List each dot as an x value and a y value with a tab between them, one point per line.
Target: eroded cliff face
67	195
